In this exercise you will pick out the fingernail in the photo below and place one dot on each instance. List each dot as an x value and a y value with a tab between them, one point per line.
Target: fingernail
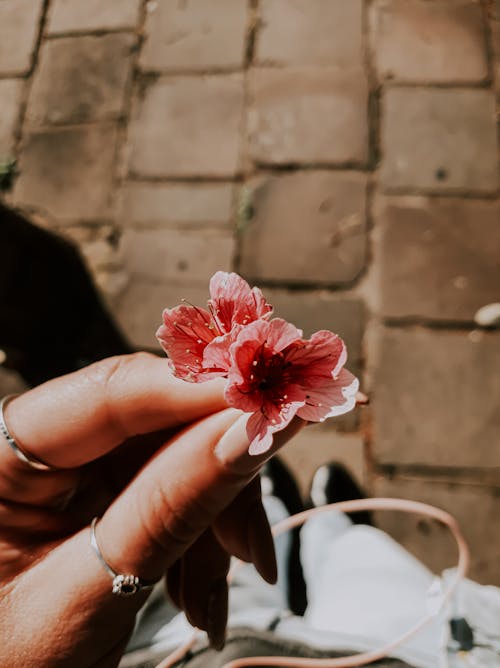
217	614
232	449
261	545
362	399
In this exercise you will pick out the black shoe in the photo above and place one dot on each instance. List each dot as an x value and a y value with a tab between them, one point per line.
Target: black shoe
332	483
277	480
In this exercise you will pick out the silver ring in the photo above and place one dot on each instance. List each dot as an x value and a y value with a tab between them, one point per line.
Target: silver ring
32	461
122	585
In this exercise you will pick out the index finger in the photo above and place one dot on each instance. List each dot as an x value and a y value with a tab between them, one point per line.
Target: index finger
77	418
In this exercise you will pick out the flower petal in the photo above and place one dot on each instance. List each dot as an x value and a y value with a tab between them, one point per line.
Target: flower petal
185	333
260	428
238	396
243	351
234	302
216	355
281	334
329	397
324	354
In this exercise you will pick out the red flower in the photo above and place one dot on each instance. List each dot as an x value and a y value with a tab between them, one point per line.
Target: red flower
187	330
275	375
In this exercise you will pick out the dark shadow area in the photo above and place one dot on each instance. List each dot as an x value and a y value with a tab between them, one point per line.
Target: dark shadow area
52	318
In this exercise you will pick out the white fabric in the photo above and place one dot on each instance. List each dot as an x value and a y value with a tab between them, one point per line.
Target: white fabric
363	590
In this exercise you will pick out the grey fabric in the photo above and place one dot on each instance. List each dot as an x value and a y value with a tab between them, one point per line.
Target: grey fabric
246	643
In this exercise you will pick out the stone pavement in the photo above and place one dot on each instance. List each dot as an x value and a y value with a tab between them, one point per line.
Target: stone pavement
342	153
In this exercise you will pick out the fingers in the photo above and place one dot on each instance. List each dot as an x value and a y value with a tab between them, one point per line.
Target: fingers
201	589
20	484
180	492
197	583
76	418
174	499
362	399
243	530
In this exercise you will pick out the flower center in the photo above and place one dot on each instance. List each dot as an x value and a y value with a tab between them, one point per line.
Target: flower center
268	371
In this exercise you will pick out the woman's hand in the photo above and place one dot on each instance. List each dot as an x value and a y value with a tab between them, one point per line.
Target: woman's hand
165	465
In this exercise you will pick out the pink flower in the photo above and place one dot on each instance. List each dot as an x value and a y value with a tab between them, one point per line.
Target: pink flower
197	341
275	375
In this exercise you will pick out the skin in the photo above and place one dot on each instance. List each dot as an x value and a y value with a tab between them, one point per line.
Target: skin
164	464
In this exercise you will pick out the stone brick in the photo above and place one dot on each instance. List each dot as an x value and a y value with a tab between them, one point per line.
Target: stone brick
10	97
97	245
195	35
181	256
311	311
439	140
476	509
307	228
319	444
310	34
68	172
186	204
139	307
435	397
438	258
310	115
422	41
188	126
19	25
112	283
99	253
77	16
80	79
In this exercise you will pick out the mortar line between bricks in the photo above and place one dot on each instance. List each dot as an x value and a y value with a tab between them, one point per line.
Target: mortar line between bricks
240	177
374	152
488	41
120	154
13	75
96	32
109	117
434	194
192	73
249	48
386	83
253	28
483	477
297	166
29	76
435	324
366	418
54	128
363	169
440	85
374	87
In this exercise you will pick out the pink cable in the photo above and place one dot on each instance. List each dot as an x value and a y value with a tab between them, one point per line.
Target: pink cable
365	657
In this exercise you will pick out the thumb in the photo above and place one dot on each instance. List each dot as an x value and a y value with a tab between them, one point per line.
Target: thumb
180	493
